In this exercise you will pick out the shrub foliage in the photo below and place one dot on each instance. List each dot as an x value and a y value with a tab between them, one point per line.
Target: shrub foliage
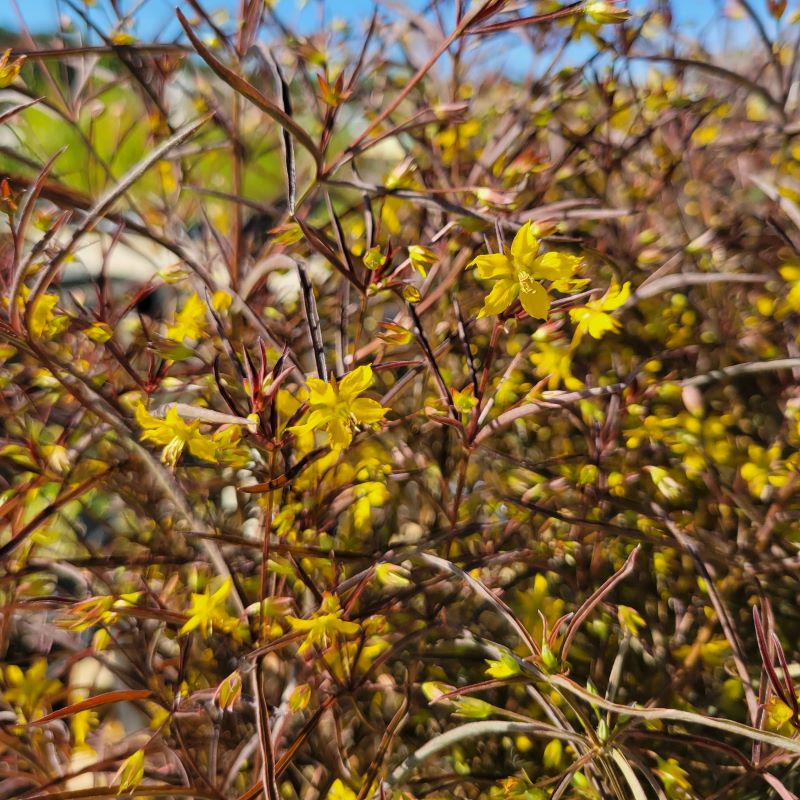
400	407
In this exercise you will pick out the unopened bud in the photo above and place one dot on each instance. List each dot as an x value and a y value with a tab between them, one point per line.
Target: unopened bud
606	14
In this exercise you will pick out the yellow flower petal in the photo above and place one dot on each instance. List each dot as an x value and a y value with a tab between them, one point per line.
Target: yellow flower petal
298	624
345	627
503	294
600	324
367	411
161	434
339	791
355	382
616	296
535	300
190	321
190	625
555	266
203	448
316	419
524	247
494	265
320	393
340	433
144	420
172	418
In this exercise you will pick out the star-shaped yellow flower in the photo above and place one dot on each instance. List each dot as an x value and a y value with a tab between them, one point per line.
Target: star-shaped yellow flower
337	407
190	321
208	611
323	624
30	691
594	319
518	272
175	434
553	360
9	69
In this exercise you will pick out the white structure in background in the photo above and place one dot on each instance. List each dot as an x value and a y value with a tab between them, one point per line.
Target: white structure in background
133	259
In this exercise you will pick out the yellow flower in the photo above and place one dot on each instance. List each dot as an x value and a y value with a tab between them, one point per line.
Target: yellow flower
553	360
130	773
465	400
44	322
594	319
102	610
99	332
764	468
29	690
791	274
673	776
518	272
122	38
778	716
190	321
207	611
421	258
337	408
82	723
174	434
323	624
664	482
553	754
339	791
300	697
630	619
370	494
505	667
392	575
9	69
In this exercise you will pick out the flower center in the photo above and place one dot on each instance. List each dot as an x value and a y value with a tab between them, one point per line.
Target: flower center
526	281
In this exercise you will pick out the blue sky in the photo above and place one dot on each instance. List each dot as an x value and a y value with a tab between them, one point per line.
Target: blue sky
156	20
159	14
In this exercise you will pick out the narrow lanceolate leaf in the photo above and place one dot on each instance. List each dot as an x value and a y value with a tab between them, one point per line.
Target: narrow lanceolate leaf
22	268
14	110
246	89
637	790
288	144
30	197
766	657
23	219
670	714
312	318
479	588
592	602
121	696
268	771
573	9
779	788
474	730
